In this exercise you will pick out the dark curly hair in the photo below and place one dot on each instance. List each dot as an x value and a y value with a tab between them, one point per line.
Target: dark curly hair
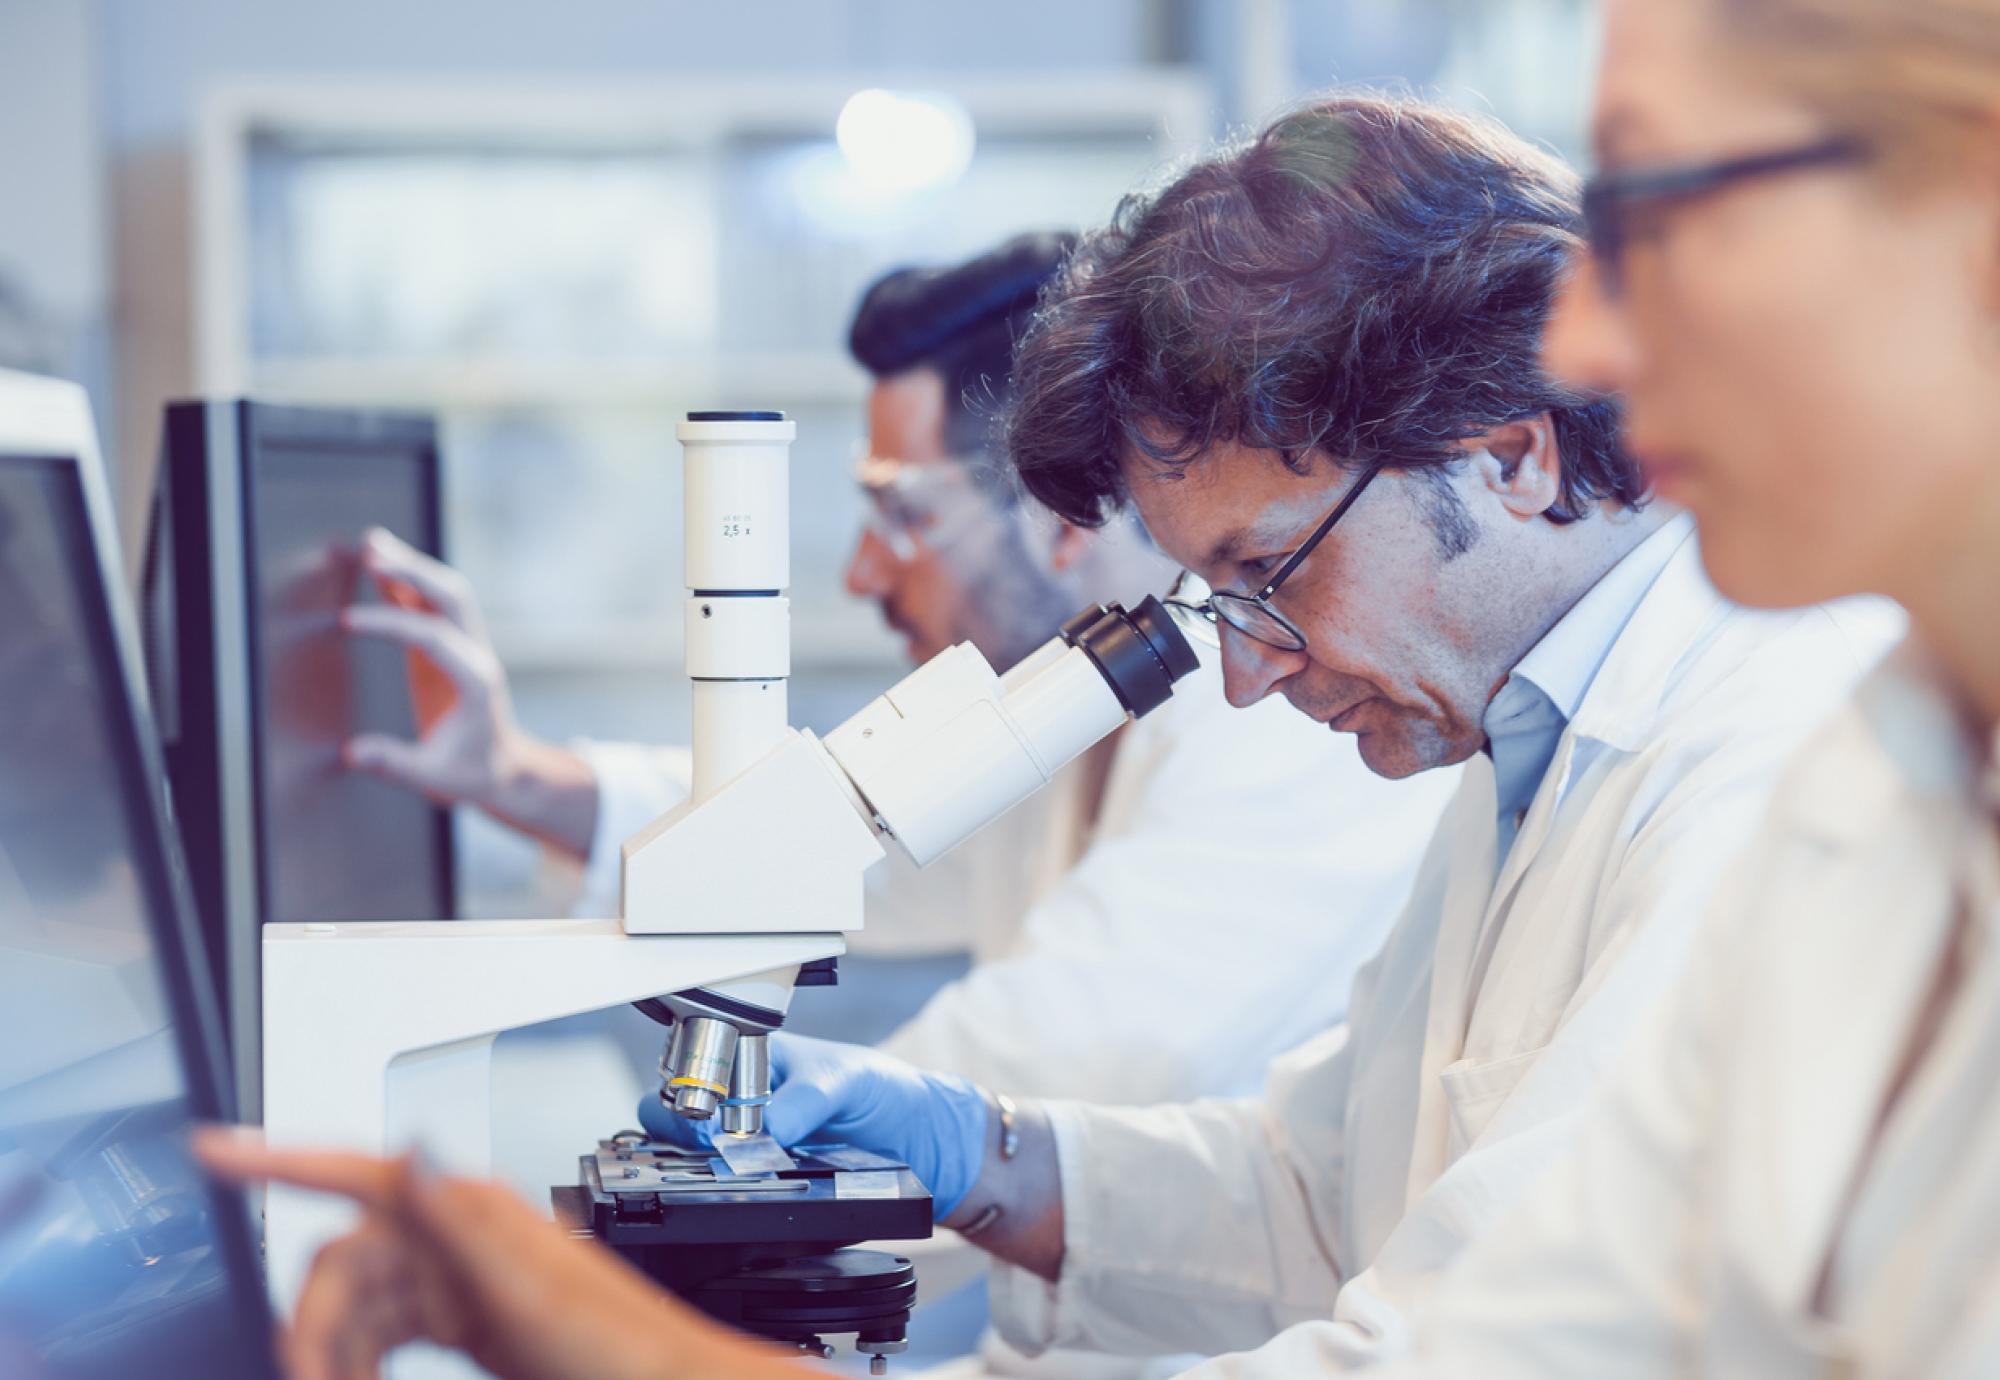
962	320
1367	280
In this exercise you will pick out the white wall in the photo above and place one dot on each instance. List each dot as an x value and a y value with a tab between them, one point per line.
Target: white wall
97	98
155	60
54	228
161	55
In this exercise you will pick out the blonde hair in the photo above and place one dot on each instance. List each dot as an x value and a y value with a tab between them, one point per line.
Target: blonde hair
1921	77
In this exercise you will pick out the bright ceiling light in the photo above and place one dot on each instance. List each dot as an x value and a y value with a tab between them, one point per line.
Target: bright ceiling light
900	141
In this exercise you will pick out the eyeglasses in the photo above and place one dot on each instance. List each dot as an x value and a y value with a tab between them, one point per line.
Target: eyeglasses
910	505
1254	615
1611	199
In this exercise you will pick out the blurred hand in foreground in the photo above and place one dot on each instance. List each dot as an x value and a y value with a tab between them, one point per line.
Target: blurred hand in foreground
467	1265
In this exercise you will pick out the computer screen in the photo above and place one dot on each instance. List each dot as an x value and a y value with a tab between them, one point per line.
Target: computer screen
337	845
117	1257
252	556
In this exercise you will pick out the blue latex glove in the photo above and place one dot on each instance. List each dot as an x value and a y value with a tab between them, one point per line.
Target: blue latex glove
826	1091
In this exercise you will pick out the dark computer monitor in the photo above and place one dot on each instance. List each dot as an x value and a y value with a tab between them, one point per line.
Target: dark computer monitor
251	558
118	1258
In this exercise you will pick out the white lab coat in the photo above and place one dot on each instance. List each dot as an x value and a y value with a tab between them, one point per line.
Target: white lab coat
1687	1231
1379	1150
1244	864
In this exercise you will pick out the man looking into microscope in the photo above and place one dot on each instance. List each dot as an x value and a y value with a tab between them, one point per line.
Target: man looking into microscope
1088	910
1098	970
1311	364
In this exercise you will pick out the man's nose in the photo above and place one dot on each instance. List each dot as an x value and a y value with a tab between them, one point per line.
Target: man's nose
1252	669
871	569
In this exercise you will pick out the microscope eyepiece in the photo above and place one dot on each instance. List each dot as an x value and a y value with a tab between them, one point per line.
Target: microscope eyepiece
952	745
1140	653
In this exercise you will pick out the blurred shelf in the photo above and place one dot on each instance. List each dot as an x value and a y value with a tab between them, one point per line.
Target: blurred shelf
665	381
691	113
1160	114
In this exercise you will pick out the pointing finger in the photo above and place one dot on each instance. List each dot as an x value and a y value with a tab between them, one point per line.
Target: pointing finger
240	1156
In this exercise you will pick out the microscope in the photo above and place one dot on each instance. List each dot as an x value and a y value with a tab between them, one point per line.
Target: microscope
379	1036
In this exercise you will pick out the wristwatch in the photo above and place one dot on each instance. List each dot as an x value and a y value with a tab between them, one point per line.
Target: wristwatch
1010	1146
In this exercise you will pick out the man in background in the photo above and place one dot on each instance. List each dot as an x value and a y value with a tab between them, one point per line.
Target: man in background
1182	903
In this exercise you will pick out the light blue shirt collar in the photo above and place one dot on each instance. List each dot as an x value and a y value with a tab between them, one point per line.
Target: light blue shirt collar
1525	721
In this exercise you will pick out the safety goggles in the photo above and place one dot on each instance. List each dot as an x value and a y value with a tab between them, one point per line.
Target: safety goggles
914	507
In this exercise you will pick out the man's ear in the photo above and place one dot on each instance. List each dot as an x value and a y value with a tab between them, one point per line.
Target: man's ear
1070	544
1520	462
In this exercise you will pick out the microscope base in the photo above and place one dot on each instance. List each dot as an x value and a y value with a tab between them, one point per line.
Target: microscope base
774	1262
799	1300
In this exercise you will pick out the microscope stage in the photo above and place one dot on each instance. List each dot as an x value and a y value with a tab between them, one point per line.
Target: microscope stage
647	1193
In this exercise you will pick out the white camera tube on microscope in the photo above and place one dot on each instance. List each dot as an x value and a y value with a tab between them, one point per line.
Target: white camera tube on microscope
736	511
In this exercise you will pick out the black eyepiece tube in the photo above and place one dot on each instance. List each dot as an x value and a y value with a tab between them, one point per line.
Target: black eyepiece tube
1141	654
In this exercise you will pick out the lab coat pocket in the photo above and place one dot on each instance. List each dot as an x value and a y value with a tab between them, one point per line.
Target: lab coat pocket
1474	1090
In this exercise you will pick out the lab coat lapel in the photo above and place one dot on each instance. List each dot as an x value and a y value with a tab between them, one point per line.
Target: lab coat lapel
1468	893
1617	710
1827	1039
1622	705
1619	713
1528	840
1923	1221
1928	1210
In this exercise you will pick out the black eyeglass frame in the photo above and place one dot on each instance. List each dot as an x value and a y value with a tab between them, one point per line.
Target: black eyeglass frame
1213	607
1609	198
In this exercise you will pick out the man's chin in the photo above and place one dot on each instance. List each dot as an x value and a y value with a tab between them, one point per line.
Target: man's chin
1393	754
916	646
920	650
1386	755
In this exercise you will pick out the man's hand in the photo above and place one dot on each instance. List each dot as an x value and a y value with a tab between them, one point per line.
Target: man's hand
826	1091
468	1265
468	748
1005	1192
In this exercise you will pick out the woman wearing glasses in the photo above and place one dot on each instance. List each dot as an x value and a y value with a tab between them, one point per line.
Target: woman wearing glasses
1796	285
